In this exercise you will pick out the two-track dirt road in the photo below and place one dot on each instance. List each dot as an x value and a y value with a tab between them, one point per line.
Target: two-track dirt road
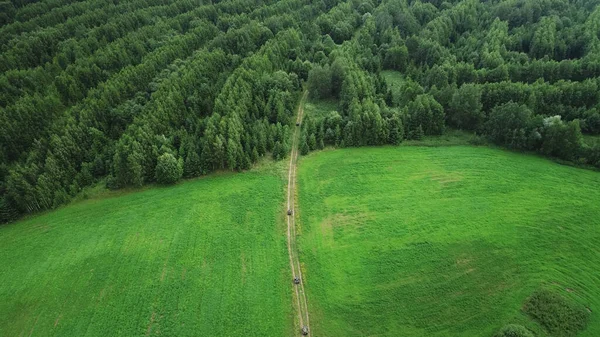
300	294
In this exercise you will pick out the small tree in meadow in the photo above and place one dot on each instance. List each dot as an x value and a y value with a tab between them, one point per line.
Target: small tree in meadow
514	330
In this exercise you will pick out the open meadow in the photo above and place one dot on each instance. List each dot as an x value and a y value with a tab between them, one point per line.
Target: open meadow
300	168
203	258
443	241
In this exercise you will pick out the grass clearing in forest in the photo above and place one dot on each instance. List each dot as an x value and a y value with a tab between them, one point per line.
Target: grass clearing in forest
206	257
319	108
394	79
444	241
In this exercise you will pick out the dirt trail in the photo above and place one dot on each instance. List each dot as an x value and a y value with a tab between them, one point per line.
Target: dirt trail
301	303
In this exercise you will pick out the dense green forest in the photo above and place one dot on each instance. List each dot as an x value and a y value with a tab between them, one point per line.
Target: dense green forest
129	93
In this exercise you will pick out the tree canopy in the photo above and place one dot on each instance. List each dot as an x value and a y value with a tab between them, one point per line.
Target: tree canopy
97	91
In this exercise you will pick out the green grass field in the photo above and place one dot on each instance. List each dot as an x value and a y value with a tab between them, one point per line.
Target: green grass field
443	241
204	258
396	241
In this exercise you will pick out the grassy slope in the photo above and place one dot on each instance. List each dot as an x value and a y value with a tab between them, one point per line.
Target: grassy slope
443	241
203	258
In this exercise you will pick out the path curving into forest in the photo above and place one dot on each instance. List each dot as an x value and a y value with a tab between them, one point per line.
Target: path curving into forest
300	294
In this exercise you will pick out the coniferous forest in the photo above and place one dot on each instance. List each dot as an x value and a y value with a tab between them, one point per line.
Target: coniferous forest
144	91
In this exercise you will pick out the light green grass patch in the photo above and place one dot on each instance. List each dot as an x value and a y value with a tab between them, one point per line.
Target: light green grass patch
591	139
204	258
320	108
443	241
394	79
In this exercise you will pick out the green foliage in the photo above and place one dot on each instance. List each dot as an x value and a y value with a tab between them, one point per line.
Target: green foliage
171	89
592	122
146	91
339	22
510	124
210	81
544	39
591	153
319	82
168	169
339	67
304	148
559	316
465	107
396	134
7	12
561	139
396	58
192	166
514	330
416	133
427	113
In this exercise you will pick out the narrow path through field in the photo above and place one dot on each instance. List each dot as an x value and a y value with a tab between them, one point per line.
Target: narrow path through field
301	303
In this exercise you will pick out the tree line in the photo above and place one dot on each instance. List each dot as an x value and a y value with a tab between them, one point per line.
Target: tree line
154	91
216	93
540	94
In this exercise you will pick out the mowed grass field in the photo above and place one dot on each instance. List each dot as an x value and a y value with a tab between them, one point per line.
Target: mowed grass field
443	241
204	258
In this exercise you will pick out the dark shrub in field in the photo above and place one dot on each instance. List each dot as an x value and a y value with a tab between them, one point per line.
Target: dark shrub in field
559	316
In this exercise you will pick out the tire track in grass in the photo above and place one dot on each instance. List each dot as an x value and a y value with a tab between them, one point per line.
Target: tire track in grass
301	302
